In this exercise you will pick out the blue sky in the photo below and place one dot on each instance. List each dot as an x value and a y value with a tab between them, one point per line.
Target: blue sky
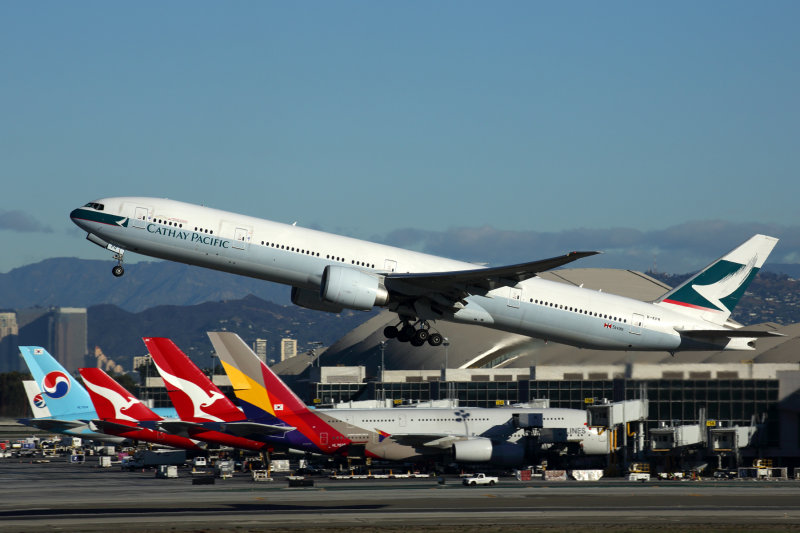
487	131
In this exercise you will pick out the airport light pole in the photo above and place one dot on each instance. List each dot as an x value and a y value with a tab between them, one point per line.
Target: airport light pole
313	351
383	365
446	353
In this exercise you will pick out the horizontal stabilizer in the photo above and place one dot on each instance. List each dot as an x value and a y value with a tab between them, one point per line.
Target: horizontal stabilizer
178	427
107	425
728	333
247	429
51	424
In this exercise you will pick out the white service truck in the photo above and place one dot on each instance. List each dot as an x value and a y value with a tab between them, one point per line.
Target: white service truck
479	479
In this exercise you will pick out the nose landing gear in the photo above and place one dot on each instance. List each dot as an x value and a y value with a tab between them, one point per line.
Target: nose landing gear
118	270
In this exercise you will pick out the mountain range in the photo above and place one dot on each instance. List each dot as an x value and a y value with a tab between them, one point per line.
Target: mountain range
71	282
183	302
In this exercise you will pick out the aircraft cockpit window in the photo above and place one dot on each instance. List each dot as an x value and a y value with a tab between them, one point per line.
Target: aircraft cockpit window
95	205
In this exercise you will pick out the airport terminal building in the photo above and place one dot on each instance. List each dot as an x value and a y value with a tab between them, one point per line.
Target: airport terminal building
740	405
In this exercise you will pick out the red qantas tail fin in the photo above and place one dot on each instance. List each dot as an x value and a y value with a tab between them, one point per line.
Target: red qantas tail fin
111	400
195	397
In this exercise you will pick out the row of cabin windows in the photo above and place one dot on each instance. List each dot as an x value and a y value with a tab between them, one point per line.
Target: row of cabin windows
580	311
167	222
273	245
289	248
315	254
179	225
459	419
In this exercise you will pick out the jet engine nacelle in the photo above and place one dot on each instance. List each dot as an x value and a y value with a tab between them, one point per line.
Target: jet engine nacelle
312	300
473	450
352	288
483	450
596	444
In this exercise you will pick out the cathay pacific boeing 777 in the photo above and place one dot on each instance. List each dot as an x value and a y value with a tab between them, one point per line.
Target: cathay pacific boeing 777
330	273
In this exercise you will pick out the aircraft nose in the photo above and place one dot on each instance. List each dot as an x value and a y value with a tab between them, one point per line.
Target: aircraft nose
74	214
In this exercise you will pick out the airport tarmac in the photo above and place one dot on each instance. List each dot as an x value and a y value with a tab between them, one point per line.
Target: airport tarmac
83	497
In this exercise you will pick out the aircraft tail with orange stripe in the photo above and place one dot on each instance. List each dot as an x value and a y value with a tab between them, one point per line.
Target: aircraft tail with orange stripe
266	399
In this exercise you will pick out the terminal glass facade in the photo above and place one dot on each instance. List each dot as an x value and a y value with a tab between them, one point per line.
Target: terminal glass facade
671	401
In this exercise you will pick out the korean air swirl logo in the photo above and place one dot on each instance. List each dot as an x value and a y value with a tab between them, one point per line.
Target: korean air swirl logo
56	384
39	402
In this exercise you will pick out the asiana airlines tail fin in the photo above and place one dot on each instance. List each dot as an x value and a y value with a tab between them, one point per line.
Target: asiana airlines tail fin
266	399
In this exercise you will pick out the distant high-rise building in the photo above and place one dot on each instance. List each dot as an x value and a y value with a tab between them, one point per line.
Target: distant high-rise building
8	325
9	356
260	348
62	331
70	333
288	348
141	360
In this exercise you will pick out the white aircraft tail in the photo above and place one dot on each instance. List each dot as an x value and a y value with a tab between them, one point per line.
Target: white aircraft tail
712	293
36	400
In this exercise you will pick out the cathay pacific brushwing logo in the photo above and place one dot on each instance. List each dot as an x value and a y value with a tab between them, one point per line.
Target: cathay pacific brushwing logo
719	290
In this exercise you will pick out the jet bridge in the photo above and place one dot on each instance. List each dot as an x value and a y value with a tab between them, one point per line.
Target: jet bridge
617	417
730	439
606	414
671	438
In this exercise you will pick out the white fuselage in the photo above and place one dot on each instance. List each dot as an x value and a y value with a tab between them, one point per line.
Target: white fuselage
296	256
415	432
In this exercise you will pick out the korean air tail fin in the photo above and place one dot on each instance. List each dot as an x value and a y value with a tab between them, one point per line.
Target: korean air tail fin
194	396
36	400
112	401
712	293
65	396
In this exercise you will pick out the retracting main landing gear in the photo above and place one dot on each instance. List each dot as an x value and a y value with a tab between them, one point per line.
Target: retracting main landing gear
417	334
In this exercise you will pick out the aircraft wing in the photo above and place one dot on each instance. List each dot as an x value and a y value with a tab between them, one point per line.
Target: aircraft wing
247	429
431	440
455	284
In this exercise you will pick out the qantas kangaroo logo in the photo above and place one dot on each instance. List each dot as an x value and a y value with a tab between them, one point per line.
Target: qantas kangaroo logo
199	397
118	401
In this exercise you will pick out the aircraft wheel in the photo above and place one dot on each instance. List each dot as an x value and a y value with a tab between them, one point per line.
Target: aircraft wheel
405	334
421	335
390	332
435	339
416	342
118	271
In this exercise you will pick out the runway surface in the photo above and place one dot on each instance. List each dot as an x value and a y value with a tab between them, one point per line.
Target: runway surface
67	497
